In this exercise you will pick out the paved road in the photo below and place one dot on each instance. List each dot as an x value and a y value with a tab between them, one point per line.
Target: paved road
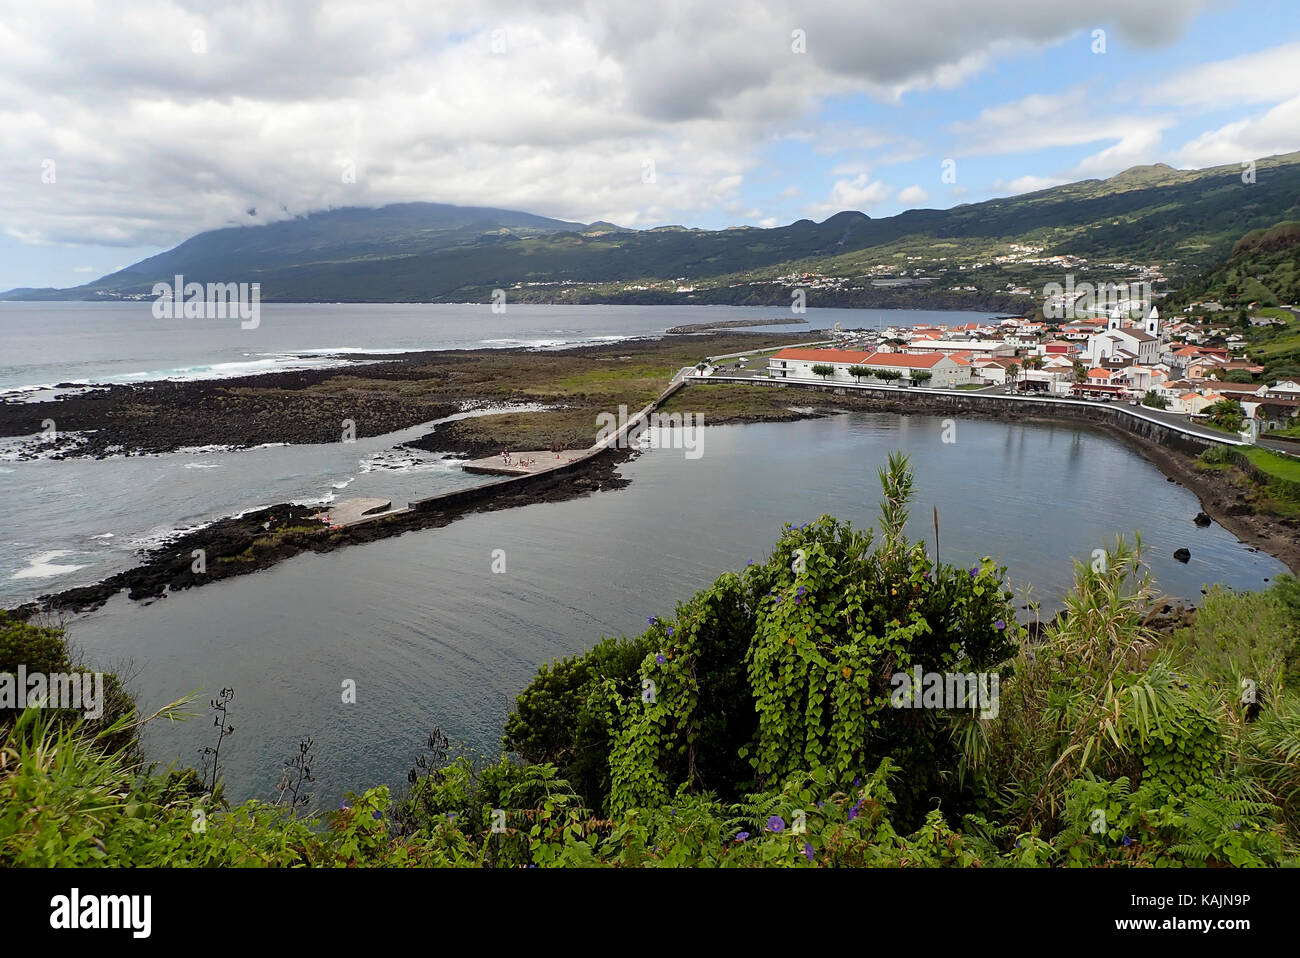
1178	420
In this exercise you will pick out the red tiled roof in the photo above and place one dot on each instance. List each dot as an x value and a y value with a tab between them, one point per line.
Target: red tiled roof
853	357
905	360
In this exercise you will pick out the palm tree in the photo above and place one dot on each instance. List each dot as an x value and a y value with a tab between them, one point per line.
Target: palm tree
1013	370
1227	414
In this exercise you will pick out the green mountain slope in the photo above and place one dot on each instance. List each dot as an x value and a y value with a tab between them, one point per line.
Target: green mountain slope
1185	220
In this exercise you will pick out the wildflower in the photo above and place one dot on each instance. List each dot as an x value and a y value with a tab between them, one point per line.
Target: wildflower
750	562
846	672
776	824
855	811
999	625
974	571
670	630
652	620
1127	841
376	815
660	658
742	836
857	783
802	589
808	851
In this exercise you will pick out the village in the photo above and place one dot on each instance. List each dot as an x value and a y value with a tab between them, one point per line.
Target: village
1194	366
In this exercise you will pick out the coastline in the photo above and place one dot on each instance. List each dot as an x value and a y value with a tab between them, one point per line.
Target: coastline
307	406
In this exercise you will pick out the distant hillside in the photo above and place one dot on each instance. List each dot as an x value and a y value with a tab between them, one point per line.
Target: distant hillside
1263	268
1187	220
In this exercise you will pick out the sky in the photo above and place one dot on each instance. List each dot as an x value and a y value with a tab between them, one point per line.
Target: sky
125	129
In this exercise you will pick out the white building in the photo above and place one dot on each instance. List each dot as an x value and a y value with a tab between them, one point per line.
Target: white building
945	371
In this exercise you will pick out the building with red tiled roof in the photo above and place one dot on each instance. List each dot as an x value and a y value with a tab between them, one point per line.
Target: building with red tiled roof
944	371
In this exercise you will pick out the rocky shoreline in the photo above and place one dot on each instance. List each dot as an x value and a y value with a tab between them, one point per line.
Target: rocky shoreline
258	540
311	406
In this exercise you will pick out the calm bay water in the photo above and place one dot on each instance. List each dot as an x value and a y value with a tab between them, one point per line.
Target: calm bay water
433	638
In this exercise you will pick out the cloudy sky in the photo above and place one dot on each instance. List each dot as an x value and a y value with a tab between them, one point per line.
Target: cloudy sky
125	128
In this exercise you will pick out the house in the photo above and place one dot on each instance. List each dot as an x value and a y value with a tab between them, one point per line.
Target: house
1124	342
1273	414
945	371
1284	389
974	347
1231	390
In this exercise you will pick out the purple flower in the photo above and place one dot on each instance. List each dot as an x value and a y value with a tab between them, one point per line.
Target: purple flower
652	620
820	803
808	851
854	812
802	589
750	562
1127	841
742	836
798	600
999	625
776	824
974	571
376	815
857	783
670	630
660	658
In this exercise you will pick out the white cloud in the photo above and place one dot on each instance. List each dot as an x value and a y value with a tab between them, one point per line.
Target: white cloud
1277	131
1264	77
913	196
1027	184
859	193
167	118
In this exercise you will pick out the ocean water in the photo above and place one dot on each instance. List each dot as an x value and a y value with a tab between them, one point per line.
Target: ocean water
49	343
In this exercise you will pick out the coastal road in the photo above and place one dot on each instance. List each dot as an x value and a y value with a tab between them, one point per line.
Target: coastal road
1177	420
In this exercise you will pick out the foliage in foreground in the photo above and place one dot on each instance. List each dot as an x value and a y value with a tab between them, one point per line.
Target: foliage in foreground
758	727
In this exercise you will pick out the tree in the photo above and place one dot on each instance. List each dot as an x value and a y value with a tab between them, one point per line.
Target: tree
922	376
1080	372
858	372
1013	370
887	375
1227	414
1155	401
823	370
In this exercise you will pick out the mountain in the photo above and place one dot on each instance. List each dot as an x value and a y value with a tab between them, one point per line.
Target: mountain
1185	220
